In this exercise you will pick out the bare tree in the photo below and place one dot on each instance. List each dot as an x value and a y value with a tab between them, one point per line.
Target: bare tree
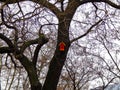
64	11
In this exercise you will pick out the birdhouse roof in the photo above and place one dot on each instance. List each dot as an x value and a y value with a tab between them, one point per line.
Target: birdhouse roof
62	43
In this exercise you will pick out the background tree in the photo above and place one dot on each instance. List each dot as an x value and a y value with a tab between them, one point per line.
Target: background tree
17	33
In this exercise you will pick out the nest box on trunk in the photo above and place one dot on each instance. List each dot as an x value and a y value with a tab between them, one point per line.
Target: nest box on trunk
62	46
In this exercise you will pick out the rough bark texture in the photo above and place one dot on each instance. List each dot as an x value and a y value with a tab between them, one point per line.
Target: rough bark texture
59	57
31	70
58	60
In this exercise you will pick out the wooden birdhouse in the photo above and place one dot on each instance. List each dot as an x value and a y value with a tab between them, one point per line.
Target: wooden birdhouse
62	46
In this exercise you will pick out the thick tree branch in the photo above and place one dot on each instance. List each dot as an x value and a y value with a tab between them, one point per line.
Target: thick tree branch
29	67
7	40
5	50
36	55
41	41
28	43
12	1
40	44
89	30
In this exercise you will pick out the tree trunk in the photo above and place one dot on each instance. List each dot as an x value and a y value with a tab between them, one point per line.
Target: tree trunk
59	57
31	71
37	87
34	81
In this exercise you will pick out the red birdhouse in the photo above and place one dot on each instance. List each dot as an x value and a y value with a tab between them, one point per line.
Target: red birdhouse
62	46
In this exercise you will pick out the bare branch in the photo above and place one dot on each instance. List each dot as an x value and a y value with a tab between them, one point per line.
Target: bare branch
5	50
48	5
41	41
109	67
12	1
105	1
89	30
3	20
44	3
9	26
40	44
111	56
111	4
13	61
7	40
55	10
28	43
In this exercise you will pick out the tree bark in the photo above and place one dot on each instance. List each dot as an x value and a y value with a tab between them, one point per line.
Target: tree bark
31	71
58	59
37	87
